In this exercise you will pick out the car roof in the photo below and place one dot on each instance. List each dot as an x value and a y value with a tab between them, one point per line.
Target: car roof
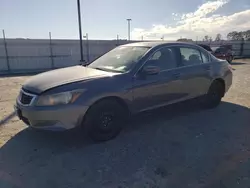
157	43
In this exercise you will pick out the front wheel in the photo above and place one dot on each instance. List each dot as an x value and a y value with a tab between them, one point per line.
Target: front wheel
214	95
105	120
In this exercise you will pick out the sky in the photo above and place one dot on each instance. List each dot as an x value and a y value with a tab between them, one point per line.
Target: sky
105	19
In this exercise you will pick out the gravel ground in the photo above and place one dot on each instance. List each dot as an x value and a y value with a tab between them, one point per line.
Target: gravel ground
177	146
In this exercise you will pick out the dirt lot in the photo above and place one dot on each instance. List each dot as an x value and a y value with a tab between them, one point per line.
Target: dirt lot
178	146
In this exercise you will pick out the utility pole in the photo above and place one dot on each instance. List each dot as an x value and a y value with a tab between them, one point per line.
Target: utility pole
142	38
51	50
129	20
80	28
6	51
87	45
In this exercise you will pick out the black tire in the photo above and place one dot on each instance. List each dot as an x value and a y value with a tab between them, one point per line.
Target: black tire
214	95
105	120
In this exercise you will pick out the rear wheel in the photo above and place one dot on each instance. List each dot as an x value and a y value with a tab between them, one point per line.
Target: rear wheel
214	95
105	120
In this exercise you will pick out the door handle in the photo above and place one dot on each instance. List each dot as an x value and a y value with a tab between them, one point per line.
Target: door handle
208	68
176	75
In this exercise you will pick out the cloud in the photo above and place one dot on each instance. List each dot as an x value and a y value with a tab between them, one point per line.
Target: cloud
197	24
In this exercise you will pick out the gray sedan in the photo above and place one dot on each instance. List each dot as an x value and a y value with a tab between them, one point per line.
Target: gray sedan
129	79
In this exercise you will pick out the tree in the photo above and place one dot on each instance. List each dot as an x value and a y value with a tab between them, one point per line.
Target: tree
246	35
231	35
218	37
206	38
234	35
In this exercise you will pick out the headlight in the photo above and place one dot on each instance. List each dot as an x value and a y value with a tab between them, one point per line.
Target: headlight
58	99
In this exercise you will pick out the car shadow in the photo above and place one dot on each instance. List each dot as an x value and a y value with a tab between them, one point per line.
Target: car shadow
176	145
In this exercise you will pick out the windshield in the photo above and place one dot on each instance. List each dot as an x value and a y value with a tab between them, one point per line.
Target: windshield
120	59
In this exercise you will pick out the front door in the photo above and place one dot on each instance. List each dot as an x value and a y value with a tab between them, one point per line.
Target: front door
151	91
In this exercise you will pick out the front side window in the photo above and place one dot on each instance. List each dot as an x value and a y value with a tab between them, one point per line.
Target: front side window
120	59
164	58
190	56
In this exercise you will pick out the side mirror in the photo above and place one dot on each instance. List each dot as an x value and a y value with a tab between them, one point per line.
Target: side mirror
151	70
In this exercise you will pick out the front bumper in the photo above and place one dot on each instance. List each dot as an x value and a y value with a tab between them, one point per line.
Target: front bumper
55	118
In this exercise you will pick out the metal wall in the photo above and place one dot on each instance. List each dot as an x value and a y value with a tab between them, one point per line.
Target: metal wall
30	55
25	55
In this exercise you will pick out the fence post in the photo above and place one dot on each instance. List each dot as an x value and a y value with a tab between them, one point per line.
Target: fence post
117	40
51	51
241	46
6	51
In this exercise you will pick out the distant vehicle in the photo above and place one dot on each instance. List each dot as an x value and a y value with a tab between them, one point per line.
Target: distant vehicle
227	46
128	79
224	53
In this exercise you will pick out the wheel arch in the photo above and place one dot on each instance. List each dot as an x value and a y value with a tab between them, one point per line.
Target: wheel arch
222	81
119	101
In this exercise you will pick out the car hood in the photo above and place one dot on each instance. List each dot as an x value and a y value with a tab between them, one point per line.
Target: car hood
44	81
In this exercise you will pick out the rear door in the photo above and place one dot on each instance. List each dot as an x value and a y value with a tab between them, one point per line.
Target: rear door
195	71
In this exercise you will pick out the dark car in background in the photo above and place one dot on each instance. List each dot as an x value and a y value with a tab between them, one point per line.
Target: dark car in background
225	53
127	80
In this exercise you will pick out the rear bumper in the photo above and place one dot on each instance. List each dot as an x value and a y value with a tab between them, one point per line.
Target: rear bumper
51	118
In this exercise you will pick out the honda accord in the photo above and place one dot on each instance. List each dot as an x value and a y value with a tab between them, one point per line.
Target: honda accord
129	79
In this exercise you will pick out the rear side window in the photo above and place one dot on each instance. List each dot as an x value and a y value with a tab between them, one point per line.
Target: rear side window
190	56
205	57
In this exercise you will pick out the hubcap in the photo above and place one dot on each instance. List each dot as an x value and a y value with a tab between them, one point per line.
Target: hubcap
107	119
215	95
